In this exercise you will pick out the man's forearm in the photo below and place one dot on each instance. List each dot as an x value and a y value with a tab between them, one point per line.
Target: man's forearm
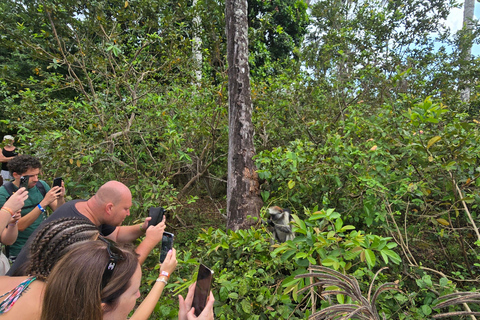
128	234
144	249
28	219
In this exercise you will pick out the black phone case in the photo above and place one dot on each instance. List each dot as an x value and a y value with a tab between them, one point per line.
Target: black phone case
156	213
24	182
57	182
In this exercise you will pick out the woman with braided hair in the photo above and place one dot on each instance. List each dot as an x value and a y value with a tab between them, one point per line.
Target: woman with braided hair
21	297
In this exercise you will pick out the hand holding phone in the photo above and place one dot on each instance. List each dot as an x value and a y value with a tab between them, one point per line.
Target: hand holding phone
167	244
202	288
156	213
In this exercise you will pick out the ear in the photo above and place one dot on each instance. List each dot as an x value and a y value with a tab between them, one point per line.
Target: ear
108	208
16	175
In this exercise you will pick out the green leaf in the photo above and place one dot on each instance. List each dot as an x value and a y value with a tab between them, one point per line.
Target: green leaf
370	258
246	306
233	295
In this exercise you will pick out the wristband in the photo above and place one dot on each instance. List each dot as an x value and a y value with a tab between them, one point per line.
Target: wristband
40	207
162	279
141	228
8	210
13	224
165	274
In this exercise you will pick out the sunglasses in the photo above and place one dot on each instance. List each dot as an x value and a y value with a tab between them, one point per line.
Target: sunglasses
115	255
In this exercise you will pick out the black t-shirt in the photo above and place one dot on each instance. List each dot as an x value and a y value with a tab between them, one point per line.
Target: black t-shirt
67	210
7	154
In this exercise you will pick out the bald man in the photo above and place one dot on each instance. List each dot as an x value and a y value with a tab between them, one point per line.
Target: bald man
106	209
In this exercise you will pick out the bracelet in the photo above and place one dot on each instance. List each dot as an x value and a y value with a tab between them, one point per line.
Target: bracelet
13	224
165	273
40	207
141	228
162	279
8	210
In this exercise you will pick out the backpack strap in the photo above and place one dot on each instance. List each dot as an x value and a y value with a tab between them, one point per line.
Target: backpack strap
41	188
10	188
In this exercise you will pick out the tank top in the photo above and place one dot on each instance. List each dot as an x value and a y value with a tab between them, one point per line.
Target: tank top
7	154
14	294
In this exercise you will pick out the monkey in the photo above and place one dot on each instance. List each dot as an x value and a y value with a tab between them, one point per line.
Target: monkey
280	221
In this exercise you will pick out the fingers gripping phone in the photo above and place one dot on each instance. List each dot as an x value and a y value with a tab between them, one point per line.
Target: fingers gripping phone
24	181
156	213
167	244
202	289
57	182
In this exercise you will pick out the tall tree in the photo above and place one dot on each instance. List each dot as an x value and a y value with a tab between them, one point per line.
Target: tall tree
466	50
242	184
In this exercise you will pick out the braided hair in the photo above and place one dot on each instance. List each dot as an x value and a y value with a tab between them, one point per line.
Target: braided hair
54	240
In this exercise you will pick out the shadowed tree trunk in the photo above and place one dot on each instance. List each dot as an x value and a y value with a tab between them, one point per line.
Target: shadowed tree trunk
242	186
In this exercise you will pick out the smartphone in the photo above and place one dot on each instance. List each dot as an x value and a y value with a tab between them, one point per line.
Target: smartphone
202	288
57	182
24	181
167	244
156	213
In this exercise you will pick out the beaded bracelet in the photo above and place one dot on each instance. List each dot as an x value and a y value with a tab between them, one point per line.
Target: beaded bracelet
162	279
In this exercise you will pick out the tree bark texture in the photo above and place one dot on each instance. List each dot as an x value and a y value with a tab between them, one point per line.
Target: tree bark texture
243	194
466	53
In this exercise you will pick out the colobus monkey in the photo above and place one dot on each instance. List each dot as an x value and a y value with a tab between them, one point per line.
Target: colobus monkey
280	221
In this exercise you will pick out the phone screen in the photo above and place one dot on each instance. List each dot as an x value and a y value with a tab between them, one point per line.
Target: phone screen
167	244
57	182
202	289
24	181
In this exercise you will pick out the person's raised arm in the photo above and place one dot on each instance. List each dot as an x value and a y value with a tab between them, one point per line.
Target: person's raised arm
146	308
10	233
12	205
153	236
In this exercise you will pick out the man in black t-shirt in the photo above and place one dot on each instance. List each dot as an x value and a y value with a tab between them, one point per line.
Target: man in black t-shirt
106	209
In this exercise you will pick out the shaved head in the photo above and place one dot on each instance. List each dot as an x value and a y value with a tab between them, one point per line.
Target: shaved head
113	192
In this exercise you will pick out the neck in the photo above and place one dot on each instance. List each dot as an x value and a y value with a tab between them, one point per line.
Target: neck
88	209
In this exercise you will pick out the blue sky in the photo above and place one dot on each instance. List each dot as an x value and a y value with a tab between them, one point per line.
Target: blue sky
455	21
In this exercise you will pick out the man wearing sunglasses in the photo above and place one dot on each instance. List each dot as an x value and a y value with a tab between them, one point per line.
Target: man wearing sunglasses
106	209
40	196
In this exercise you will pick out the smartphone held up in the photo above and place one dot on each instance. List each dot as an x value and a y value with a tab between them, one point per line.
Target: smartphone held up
156	213
202	288
24	182
167	245
57	182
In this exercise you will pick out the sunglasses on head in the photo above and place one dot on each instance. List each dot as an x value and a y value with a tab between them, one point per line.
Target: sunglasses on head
115	255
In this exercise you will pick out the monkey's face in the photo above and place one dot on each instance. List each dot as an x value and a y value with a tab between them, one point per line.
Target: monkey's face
276	213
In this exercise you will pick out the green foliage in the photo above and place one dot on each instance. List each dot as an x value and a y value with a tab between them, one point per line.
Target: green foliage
247	278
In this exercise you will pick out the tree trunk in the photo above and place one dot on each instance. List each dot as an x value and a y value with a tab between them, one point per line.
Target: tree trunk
197	44
243	197
466	52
